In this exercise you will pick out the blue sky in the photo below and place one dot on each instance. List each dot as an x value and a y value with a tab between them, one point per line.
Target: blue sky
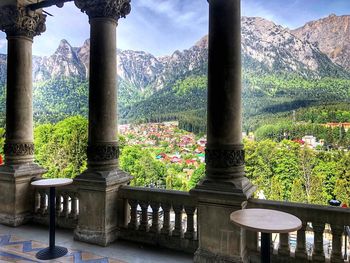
163	26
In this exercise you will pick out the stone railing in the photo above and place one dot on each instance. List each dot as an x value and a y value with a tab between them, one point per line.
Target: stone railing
321	236
159	217
67	207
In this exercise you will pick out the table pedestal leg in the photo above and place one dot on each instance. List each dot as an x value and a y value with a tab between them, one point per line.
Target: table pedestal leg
52	251
265	247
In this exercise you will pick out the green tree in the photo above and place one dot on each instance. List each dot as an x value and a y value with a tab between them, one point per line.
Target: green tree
61	148
298	191
142	166
197	175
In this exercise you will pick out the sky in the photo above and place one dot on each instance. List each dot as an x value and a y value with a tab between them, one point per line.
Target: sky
162	26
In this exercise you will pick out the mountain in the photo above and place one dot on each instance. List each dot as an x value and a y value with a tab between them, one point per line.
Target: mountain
63	63
281	71
270	47
266	48
331	35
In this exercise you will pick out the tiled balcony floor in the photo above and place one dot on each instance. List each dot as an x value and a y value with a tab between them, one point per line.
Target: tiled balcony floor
120	251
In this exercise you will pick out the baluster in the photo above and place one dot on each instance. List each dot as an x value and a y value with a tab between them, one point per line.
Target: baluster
65	209
300	251
284	249
177	232
190	232
345	243
166	219
318	253
252	240
133	214
58	203
43	205
144	216
337	233
74	206
155	217
36	201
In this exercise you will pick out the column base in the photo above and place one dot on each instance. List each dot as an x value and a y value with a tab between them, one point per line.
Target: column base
205	256
101	238
221	190
103	176
14	220
98	205
17	195
219	239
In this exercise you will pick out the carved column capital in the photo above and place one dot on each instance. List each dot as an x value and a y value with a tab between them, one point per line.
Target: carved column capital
20	21
114	9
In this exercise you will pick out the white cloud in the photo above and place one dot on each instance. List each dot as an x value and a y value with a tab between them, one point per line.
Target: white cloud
3	43
180	14
257	9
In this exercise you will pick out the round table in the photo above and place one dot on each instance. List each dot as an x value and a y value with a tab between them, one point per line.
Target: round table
52	251
265	221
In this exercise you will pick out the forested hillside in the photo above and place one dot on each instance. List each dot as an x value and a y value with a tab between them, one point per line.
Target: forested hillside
283	71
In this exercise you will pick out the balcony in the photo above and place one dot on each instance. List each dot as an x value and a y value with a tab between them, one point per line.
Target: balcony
101	209
159	225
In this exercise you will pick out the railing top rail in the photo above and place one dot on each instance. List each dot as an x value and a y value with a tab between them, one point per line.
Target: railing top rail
157	195
306	212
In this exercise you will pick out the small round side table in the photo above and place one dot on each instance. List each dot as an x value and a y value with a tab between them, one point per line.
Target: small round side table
265	221
52	251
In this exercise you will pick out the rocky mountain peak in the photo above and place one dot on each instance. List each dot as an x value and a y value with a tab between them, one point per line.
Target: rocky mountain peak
266	47
63	63
331	35
83	54
65	50
274	48
203	42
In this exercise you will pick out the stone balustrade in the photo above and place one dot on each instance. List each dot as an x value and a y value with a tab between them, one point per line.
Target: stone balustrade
320	223
168	219
67	207
160	217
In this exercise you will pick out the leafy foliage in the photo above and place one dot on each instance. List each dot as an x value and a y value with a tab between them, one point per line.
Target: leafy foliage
61	148
286	171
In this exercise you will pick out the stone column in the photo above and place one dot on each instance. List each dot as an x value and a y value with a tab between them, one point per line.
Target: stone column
98	185
225	187
20	26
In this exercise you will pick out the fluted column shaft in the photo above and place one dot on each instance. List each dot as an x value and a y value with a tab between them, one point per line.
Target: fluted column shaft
225	187
99	184
224	150
102	147
20	26
224	153
103	150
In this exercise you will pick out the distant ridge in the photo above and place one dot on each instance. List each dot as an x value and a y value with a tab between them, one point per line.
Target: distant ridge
267	48
331	35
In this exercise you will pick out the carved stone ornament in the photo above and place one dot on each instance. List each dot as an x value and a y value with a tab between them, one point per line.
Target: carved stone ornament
18	149
114	9
224	158
20	21
103	152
